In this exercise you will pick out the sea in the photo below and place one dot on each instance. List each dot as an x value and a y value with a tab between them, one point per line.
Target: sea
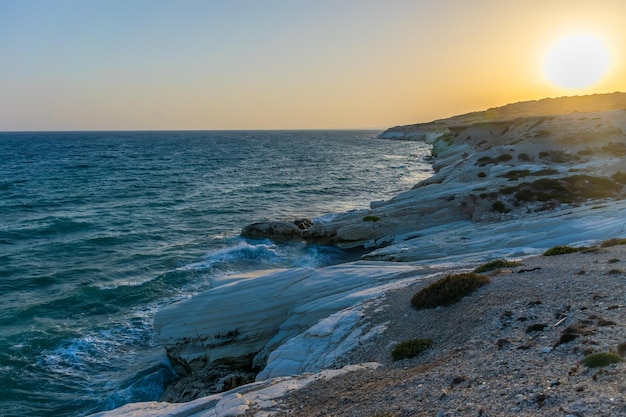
99	230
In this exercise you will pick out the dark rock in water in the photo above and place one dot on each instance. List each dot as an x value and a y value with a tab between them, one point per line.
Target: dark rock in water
272	230
303	223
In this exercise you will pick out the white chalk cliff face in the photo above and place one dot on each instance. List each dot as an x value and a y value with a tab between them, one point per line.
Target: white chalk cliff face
491	168
508	182
242	322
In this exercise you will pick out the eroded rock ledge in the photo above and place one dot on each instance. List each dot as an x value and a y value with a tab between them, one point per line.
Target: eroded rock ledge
497	165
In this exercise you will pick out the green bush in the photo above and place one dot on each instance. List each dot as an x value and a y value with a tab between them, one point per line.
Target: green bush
485	160
371	218
448	290
613	242
516	174
576	188
497	264
561	250
410	348
500	207
596	360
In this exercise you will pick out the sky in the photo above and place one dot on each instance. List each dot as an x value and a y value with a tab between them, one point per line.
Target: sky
284	64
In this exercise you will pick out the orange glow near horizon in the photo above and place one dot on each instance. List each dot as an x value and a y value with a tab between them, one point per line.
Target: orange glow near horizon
117	65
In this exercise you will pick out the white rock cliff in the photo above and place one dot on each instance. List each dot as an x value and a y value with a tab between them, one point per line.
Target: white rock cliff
508	182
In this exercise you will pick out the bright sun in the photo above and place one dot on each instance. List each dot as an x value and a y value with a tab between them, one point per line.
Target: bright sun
576	61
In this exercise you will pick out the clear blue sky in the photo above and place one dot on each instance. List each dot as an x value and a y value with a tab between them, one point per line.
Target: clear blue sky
248	64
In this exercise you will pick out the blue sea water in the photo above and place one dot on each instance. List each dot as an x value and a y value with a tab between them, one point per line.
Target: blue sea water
98	230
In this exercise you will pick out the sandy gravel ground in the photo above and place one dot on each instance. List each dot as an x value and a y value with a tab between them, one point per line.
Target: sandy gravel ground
484	360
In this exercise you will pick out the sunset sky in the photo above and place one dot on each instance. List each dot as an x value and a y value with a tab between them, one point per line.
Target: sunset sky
291	64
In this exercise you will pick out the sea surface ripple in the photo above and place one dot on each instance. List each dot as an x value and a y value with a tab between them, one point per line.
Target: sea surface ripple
98	230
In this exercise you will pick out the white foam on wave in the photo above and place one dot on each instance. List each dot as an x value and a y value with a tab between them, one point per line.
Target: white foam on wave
245	255
124	362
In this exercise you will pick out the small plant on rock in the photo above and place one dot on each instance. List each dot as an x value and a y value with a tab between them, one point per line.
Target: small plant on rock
448	290
613	242
500	207
536	327
410	348
619	177
597	360
371	218
560	250
497	264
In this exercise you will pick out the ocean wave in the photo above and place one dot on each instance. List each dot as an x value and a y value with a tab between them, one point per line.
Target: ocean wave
84	363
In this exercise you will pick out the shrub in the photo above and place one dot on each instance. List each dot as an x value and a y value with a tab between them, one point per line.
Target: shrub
556	155
596	360
485	160
536	327
516	174
500	207
570	334
410	348
448	290
497	264
613	242
371	218
586	186
619	177
615	148
613	261
560	250
546	171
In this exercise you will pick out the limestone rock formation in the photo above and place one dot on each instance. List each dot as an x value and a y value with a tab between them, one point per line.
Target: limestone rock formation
242	321
498	165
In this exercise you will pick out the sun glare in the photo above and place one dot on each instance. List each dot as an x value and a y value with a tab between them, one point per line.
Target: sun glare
576	61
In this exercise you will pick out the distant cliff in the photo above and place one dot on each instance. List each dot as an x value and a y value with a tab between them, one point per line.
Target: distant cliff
534	108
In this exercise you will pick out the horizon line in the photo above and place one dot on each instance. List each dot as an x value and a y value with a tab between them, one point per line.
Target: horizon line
198	130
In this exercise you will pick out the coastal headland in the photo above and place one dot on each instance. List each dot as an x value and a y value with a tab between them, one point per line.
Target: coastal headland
508	183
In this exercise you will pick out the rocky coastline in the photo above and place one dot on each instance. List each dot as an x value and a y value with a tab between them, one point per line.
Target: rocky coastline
509	183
